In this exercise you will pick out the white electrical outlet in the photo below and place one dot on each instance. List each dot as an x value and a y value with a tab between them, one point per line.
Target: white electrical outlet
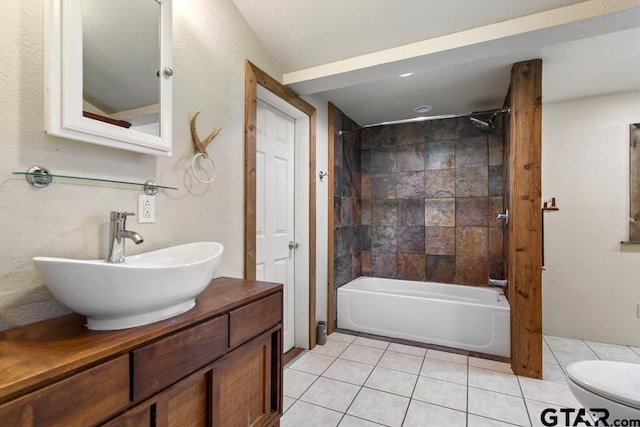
146	209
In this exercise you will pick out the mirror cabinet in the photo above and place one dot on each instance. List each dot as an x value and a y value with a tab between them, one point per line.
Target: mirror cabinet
108	73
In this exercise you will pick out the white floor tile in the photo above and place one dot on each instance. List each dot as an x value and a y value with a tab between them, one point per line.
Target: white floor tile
494	365
569	345
369	342
635	349
447	357
362	354
422	414
348	371
547	392
296	382
401	362
478	421
618	353
553	372
331	394
409	349
286	403
498	406
548	356
565	358
379	407
351	421
494	381
447	371
392	381
338	336
331	348
308	415
441	393
312	363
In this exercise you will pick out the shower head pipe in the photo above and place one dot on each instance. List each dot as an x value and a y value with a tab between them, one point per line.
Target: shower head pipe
427	118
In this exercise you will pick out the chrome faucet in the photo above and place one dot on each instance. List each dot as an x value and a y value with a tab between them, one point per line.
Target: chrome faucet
497	282
117	233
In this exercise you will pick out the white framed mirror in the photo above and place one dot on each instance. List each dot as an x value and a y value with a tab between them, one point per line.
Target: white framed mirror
108	73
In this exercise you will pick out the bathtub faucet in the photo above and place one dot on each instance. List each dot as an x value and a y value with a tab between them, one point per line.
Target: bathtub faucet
497	282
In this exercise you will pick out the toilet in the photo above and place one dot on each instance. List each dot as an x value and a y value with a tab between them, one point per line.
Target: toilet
614	386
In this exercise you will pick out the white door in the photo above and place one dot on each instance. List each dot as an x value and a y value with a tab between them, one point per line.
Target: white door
275	207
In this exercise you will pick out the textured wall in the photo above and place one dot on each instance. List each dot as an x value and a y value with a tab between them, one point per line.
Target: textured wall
68	219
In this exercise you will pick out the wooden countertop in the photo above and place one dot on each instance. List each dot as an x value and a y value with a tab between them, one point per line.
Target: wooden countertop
48	350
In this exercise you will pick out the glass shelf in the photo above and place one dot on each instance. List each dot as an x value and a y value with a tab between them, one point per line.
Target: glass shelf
41	177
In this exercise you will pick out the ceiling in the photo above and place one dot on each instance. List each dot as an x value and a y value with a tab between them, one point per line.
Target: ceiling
460	51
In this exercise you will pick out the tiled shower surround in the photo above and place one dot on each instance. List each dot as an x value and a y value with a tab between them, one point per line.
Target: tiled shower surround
420	202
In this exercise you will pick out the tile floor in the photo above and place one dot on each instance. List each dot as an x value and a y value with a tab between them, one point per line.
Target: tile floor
357	381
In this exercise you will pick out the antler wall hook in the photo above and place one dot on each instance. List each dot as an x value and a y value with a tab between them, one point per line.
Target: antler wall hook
201	145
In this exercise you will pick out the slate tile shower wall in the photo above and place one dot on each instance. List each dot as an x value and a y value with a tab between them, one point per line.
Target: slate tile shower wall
347	237
430	192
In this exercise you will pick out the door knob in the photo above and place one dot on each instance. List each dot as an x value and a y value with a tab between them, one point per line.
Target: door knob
293	245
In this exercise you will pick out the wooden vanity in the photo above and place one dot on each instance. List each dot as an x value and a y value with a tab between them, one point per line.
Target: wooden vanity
219	364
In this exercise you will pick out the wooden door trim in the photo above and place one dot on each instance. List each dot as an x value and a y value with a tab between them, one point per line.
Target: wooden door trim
330	228
254	76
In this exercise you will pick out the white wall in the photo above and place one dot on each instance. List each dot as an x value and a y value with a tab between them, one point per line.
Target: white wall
67	219
591	286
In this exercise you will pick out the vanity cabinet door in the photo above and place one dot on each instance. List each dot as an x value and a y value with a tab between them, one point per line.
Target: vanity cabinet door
246	384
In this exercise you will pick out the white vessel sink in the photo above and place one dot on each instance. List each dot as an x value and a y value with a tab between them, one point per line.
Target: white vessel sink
145	288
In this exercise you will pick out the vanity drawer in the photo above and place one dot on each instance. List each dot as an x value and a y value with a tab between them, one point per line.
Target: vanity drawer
252	319
164	362
86	398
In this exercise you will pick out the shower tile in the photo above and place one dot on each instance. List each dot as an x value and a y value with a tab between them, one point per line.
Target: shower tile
365	161
472	273
440	183
496	187
472	152
472	182
496	150
365	212
409	133
411	157
411	212
441	268
365	187
440	240
366	263
411	267
383	239
366	237
347	217
471	211
440	130
384	212
440	212
377	137
341	244
410	185
383	160
357	211
411	240
337	151
472	243
384	186
439	155
337	180
337	211
346	184
342	270
495	245
384	265
496	206
356	185
356	266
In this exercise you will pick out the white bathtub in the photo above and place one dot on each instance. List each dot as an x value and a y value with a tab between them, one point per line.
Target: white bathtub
465	317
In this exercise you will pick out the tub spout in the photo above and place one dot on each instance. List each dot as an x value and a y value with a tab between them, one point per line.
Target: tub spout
497	282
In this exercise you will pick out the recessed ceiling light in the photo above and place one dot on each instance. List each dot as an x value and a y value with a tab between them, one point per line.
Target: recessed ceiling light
405	75
423	109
